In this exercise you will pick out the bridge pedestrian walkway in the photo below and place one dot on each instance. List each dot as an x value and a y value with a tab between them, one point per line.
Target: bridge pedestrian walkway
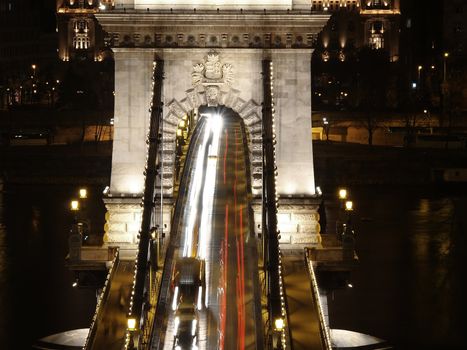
302	310
112	324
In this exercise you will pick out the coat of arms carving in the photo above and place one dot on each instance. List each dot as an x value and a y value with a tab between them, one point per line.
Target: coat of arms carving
212	75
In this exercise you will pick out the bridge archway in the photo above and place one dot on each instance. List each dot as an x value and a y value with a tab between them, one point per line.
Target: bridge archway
249	111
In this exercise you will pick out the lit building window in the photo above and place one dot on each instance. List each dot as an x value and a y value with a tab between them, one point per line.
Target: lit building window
376	40
379	4
81	40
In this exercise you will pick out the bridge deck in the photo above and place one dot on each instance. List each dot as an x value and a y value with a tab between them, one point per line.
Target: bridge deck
302	310
214	225
110	333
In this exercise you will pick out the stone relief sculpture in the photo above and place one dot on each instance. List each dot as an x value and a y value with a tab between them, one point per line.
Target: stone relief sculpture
212	75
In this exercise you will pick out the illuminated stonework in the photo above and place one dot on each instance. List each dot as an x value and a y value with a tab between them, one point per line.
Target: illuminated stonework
358	23
215	58
212	76
207	4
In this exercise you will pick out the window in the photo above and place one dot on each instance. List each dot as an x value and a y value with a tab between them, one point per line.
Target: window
81	40
382	4
376	40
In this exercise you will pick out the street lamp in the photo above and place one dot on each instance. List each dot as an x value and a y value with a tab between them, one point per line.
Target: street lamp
131	323
83	193
428	116
342	193
326	127
446	55
419	76
279	324
444	85
348	234
74	205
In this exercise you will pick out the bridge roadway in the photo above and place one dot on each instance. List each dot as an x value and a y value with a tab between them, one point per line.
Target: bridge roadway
302	308
214	225
112	324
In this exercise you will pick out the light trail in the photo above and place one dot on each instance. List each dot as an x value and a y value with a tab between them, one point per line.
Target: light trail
215	123
240	258
225	153
194	195
205	229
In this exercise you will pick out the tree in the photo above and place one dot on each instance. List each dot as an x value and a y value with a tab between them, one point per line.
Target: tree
372	86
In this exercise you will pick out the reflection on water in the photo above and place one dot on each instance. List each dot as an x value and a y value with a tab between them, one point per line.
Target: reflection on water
408	284
36	296
3	280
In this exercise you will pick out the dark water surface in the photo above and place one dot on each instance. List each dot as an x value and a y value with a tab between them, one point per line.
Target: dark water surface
408	287
36	294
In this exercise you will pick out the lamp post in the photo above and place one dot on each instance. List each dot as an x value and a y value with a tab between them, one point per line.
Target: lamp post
348	209
419	70
428	116
445	58
131	323
326	127
348	235
342	195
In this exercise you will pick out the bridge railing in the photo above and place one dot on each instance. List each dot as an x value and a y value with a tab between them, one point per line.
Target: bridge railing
100	302
155	338
145	284
278	324
323	327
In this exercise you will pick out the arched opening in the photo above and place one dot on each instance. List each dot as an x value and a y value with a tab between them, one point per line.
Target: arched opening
188	111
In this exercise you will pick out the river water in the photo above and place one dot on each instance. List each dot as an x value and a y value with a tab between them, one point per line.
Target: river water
407	287
36	294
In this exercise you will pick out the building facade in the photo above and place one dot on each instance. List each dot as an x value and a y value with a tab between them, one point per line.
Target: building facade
80	36
455	27
27	46
355	24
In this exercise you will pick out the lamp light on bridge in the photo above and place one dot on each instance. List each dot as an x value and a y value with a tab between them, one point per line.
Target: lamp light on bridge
342	193
348	205
131	323
279	324
446	54
74	205
83	193
318	191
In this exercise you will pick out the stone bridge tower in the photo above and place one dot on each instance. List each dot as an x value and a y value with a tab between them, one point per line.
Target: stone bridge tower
196	38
